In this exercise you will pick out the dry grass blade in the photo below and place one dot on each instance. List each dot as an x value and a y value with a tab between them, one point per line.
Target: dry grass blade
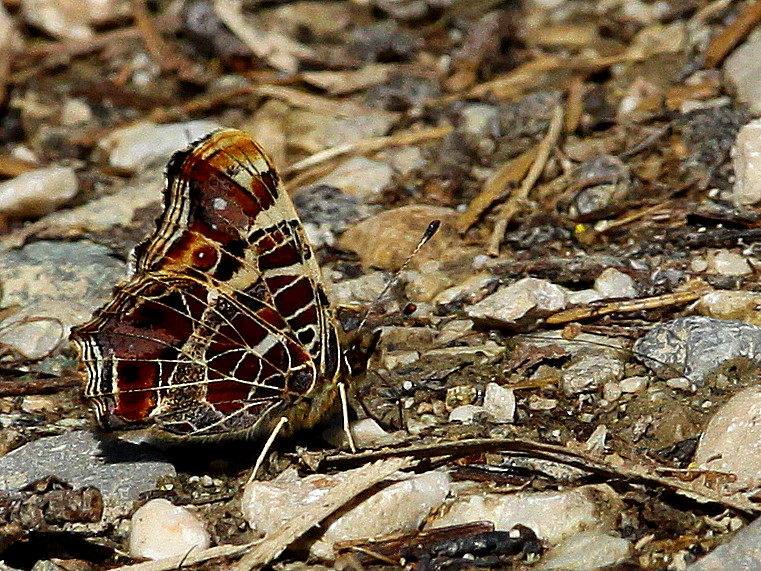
626	470
518	198
278	50
369	145
627	306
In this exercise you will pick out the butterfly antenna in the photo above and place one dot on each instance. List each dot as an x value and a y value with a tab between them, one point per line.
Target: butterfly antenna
427	235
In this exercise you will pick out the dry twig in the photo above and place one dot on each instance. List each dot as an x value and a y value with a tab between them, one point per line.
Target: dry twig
510	172
518	198
733	34
626	306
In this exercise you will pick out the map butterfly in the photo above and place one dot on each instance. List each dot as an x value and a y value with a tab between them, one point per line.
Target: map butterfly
223	326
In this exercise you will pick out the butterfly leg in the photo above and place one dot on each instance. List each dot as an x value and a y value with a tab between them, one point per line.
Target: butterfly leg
266	448
345	414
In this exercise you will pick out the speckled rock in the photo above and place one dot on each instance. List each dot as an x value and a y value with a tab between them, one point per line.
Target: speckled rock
695	346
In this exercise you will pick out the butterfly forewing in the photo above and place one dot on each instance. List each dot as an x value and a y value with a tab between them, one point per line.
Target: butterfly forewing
224	324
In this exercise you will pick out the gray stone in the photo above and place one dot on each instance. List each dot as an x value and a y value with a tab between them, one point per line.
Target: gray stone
119	469
695	346
54	285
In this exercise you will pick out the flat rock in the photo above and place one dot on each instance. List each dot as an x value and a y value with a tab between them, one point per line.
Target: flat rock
119	469
360	177
37	192
140	145
695	346
553	516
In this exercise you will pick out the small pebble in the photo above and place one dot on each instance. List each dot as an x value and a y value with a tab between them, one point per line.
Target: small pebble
680	383
612	391
612	283
536	402
160	529
633	384
75	112
465	413
38	192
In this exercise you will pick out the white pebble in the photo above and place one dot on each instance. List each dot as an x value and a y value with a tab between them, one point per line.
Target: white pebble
499	402
160	529
75	112
746	159
38	192
552	515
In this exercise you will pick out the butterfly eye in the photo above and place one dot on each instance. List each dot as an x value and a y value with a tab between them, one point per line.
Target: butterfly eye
204	257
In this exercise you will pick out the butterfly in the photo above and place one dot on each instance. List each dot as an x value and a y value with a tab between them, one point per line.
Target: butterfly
223	326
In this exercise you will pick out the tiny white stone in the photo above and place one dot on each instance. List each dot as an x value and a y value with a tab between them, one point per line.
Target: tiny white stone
160	529
499	402
219	204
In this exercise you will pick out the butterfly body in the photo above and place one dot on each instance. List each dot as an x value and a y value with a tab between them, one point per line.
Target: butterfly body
223	326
